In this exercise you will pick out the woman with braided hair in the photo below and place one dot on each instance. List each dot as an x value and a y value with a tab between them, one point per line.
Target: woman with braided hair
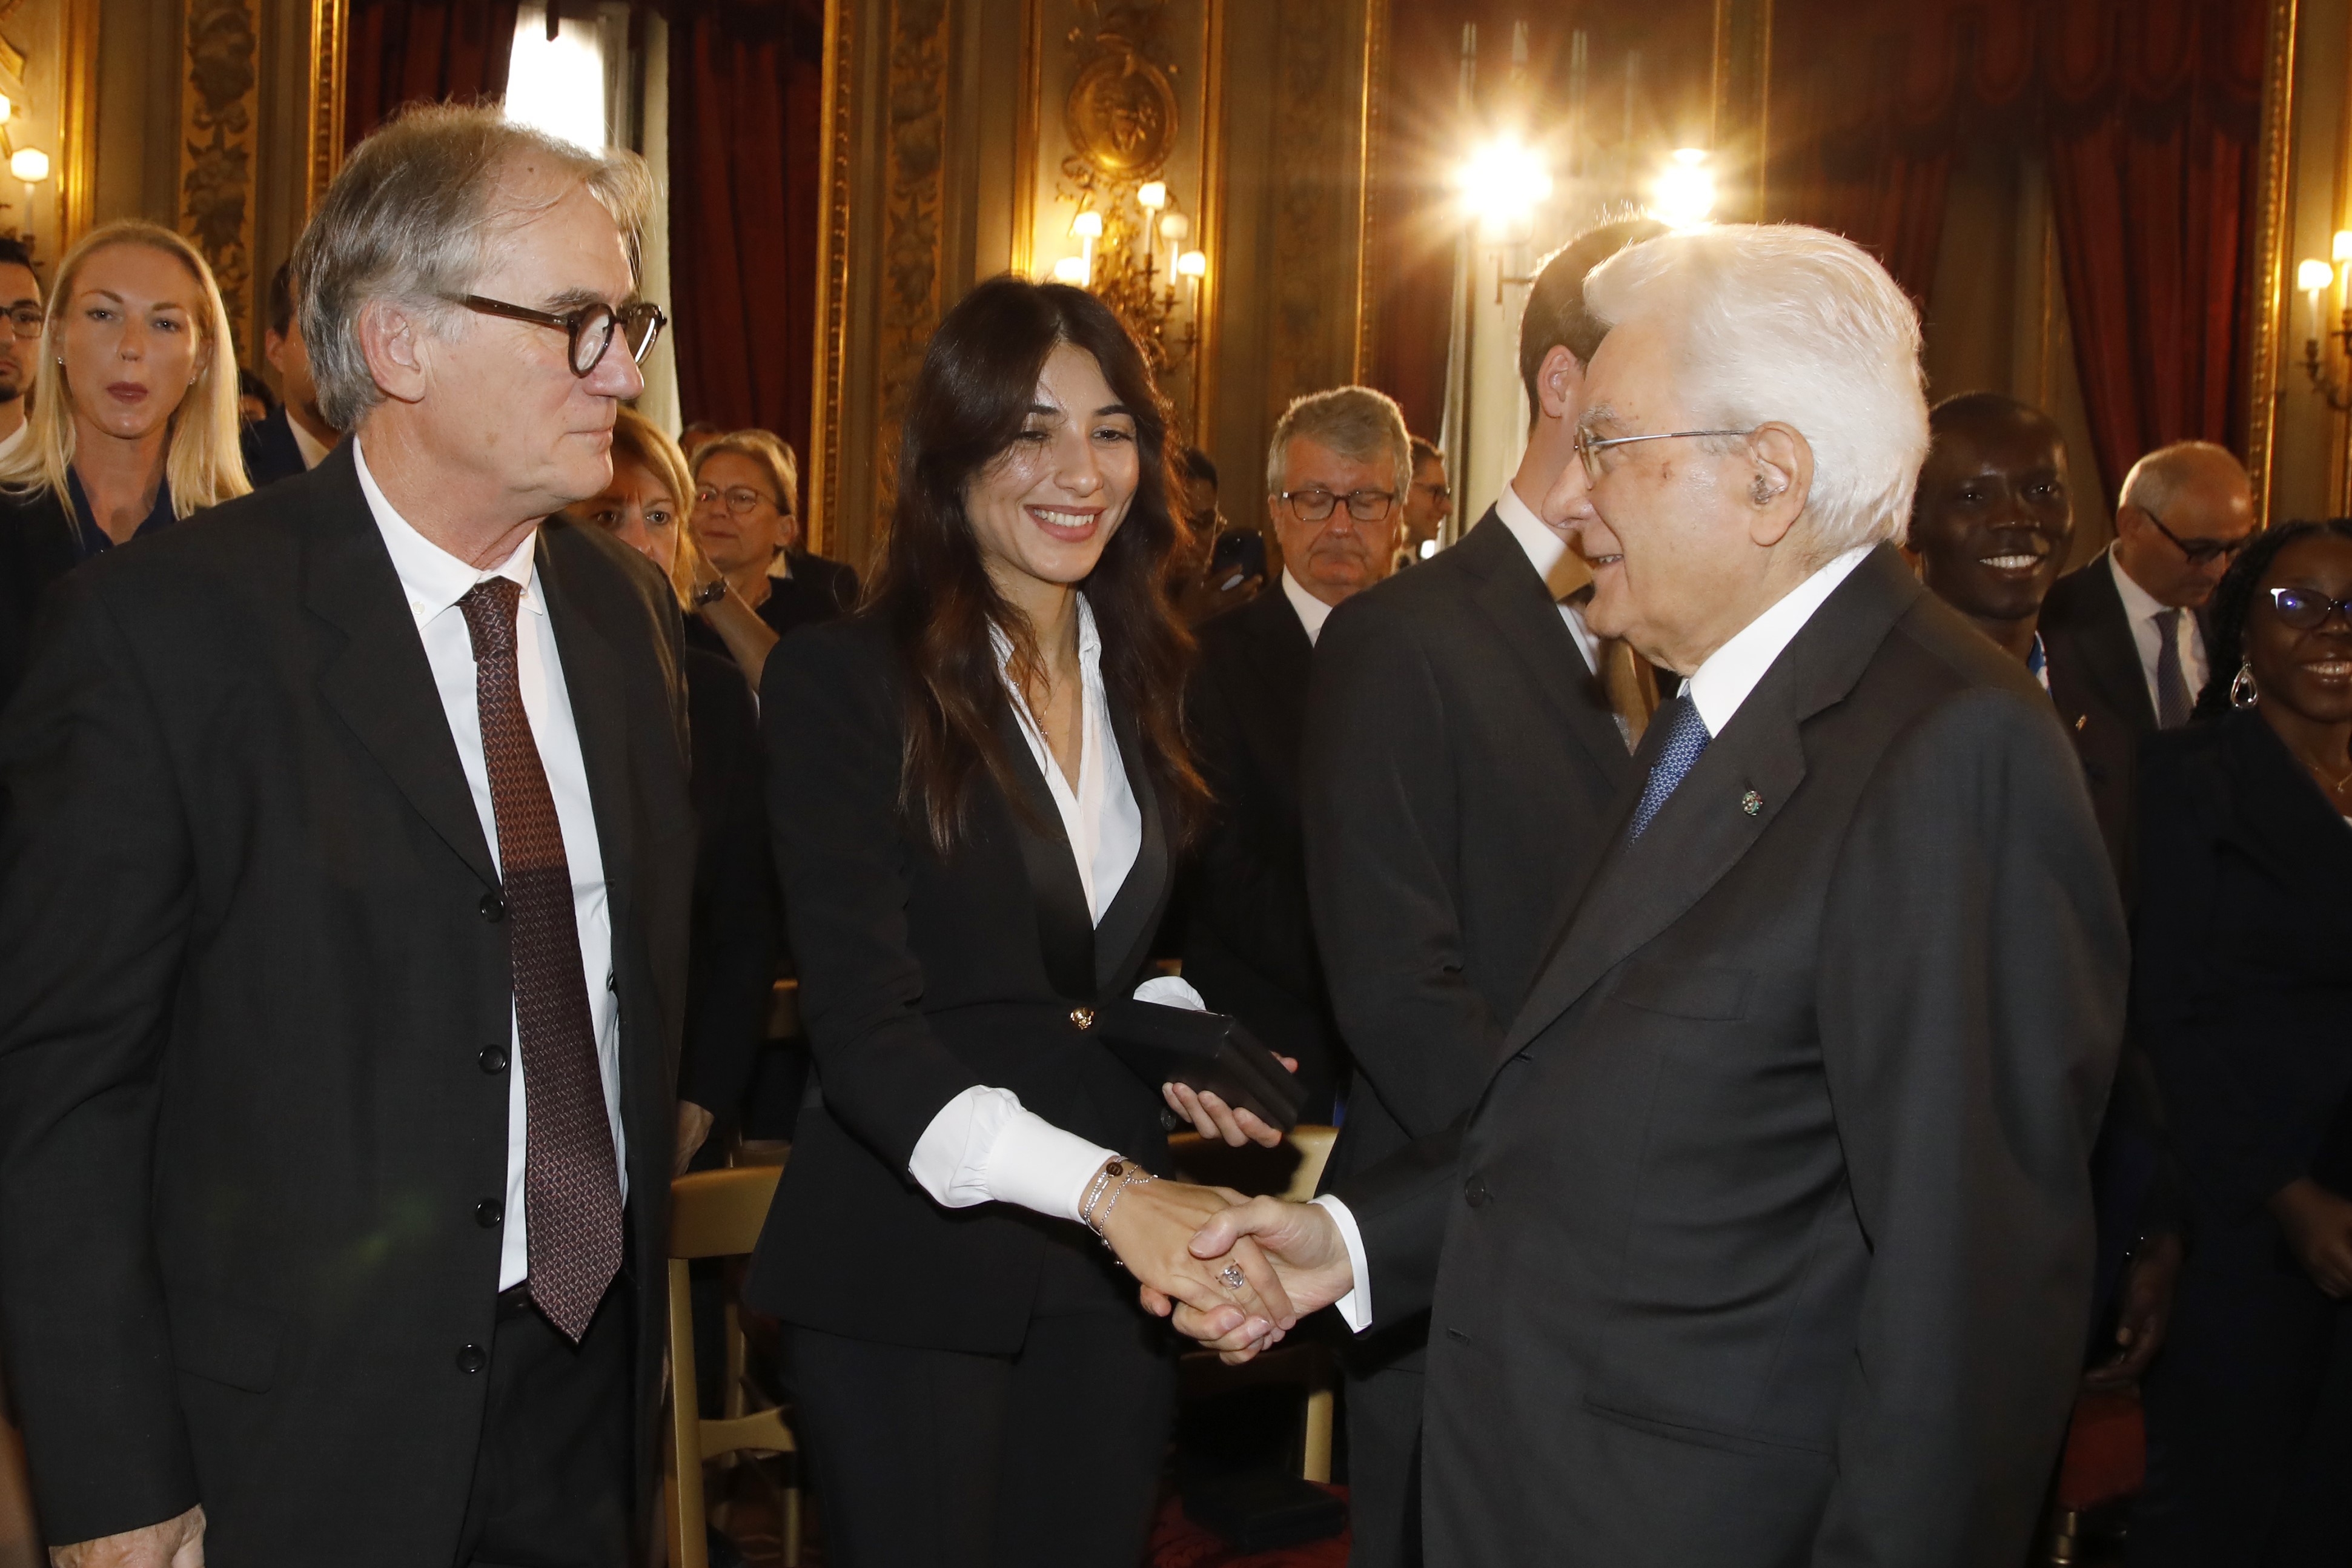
2242	990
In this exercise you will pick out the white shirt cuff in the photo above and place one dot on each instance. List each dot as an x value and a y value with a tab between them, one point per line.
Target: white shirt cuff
982	1147
1171	992
1355	1308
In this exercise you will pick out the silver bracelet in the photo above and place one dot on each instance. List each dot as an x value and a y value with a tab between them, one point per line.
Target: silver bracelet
1110	1168
1130	1174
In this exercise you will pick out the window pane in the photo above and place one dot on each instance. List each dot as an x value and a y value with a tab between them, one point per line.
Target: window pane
558	85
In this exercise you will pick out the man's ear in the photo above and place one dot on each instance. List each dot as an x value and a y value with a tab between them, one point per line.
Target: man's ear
1780	482
1558	382
392	340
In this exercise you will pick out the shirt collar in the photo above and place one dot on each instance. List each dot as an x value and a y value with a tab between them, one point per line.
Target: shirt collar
432	578
2139	604
1721	683
1312	612
1562	573
314	451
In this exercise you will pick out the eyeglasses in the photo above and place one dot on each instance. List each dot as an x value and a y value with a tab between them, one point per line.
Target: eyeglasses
2307	609
590	328
1441	494
1315	504
1591	450
2200	551
739	502
25	320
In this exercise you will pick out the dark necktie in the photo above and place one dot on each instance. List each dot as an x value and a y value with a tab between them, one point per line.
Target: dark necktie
1685	738
572	1190
2172	699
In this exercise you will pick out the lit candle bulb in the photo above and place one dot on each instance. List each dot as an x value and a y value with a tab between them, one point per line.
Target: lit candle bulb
1173	229
2314	277
1088	227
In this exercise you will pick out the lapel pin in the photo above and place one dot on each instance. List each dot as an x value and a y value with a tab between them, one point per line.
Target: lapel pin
1752	803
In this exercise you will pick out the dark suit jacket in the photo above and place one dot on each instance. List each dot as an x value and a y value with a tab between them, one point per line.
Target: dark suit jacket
2096	681
1249	947
1463	777
738	929
254	1026
270	453
37	547
1769	1239
2242	974
818	590
921	977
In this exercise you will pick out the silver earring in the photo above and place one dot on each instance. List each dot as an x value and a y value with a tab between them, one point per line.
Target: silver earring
2242	686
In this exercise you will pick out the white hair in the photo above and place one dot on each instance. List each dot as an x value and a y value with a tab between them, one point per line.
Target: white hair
1778	322
1358	423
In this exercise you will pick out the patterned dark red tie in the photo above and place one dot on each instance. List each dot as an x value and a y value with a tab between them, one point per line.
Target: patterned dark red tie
571	1189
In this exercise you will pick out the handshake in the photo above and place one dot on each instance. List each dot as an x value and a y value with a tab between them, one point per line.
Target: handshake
1235	1273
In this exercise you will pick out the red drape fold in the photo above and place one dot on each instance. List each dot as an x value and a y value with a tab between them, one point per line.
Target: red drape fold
746	89
403	50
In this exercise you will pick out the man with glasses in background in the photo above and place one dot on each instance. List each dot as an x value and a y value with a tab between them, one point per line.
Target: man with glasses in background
2125	646
1427	505
1337	470
20	346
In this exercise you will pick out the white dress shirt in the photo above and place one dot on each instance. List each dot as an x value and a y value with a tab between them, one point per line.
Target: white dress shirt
983	1146
1312	612
314	451
433	580
13	439
1545	549
2143	613
1715	688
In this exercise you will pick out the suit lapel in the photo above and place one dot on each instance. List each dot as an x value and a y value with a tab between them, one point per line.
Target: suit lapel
1704	830
1134	913
1519	606
597	685
1276	708
1065	928
2110	654
379	681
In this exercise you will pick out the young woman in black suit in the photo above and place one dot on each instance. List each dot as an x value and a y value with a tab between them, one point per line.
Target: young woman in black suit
978	790
2242	990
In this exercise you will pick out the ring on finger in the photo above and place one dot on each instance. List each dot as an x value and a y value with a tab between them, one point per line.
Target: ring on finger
1230	1275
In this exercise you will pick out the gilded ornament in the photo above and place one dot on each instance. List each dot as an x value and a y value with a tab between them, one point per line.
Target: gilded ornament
1122	115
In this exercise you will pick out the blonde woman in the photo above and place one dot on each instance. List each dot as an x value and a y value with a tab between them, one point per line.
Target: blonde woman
745	520
135	425
735	936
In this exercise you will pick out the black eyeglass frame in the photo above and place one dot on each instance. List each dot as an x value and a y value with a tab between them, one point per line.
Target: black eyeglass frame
1291	498
2329	609
577	325
2197	551
17	320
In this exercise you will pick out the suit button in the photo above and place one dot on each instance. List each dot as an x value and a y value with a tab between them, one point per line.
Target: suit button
493	1059
1474	1192
493	908
488	1212
471	1358
1082	1018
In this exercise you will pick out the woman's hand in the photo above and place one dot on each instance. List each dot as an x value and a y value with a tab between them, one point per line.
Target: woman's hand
1309	1257
1151	1226
1213	1118
2318	1227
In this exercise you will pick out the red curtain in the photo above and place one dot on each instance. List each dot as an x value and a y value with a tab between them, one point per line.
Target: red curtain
402	51
746	86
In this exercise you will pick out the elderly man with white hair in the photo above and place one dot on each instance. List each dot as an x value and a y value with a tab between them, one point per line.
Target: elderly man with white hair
1769	1239
343	883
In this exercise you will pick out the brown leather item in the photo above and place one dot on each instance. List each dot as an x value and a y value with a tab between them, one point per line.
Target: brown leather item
572	1187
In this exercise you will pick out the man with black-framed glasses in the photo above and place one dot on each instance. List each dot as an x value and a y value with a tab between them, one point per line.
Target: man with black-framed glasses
2124	634
20	342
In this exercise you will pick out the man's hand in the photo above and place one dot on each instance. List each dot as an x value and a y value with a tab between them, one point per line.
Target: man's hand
1213	1119
1151	1227
2318	1227
694	1124
1309	1258
2146	1313
174	1543
1199	599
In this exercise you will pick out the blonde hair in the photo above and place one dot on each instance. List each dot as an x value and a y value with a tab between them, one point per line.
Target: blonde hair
636	439
203	461
771	452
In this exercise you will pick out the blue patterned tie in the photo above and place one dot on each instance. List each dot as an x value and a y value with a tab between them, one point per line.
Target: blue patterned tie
1686	736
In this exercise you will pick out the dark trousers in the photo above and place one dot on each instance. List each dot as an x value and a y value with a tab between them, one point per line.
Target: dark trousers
552	1479
2249	1413
937	1458
1382	1398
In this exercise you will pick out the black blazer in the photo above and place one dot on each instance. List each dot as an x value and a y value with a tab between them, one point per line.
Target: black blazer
738	929
269	448
1464	774
1768	1240
818	590
37	547
254	1026
2241	972
1249	947
2101	694
921	977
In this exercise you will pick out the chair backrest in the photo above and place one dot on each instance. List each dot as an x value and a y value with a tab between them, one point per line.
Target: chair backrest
717	1214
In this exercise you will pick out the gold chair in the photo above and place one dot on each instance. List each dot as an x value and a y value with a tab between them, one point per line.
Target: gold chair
716	1214
1289	1171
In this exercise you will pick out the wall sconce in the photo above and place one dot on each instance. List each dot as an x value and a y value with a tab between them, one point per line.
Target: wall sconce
1131	258
1684	193
1072	270
29	164
1501	183
2315	278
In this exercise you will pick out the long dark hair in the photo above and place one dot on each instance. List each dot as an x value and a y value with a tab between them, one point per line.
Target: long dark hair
967	406
2233	600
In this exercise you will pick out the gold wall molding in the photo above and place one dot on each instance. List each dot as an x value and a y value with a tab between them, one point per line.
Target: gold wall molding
78	120
329	44
831	356
913	188
1368	141
1741	90
2269	269
217	133
1325	107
